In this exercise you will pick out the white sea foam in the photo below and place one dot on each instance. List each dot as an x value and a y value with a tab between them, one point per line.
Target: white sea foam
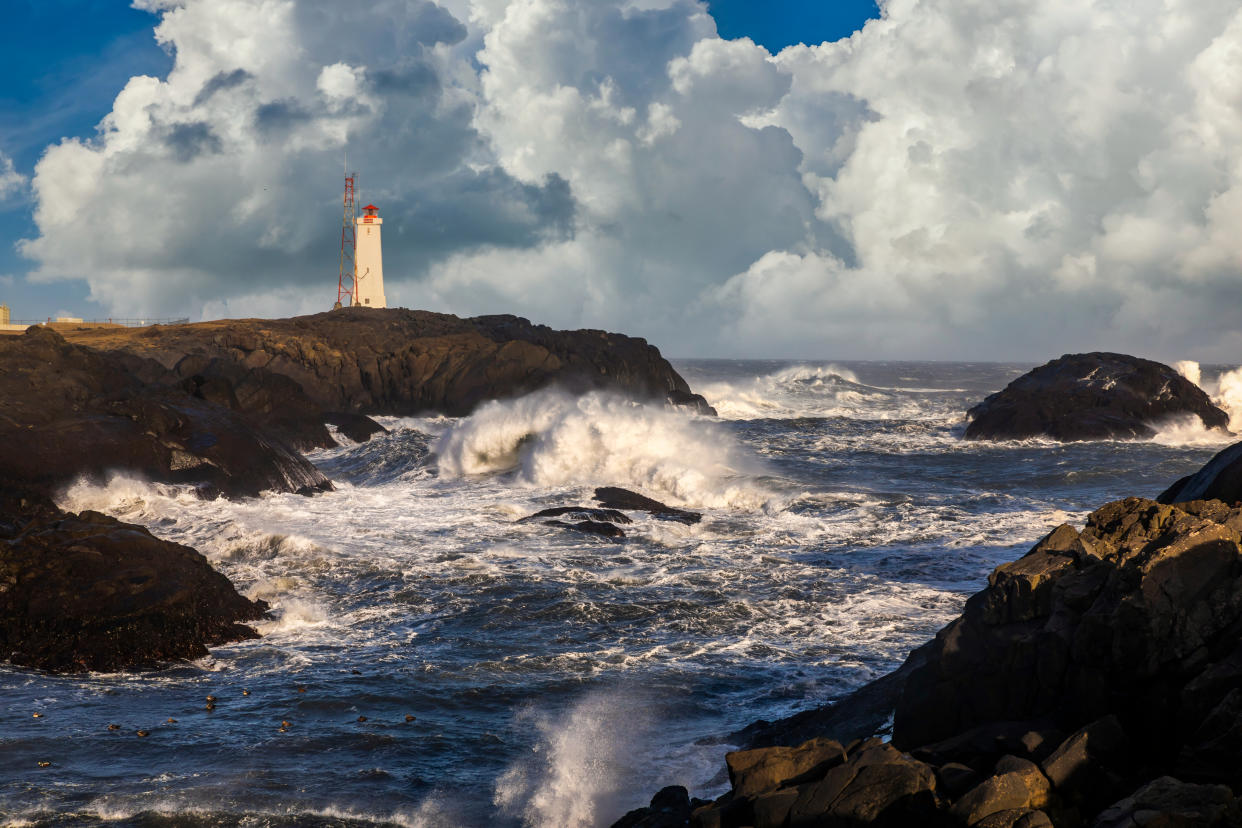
551	439
1189	430
576	773
813	391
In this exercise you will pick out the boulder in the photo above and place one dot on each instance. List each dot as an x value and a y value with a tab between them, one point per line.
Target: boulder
1095	396
1015	785
763	769
357	427
88	592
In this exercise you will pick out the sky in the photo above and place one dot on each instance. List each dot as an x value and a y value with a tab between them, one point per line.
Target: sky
925	179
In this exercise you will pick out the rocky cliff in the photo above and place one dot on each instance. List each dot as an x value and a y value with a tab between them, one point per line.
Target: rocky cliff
1096	396
402	362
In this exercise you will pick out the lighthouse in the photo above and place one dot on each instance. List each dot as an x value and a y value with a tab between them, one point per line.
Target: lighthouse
369	263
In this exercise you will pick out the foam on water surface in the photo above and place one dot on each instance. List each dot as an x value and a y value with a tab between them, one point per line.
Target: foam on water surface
557	678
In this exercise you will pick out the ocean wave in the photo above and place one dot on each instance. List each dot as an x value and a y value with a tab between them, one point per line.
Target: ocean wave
813	391
552	439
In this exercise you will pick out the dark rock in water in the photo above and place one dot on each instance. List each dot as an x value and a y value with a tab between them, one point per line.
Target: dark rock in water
695	402
403	362
1096	396
591	527
87	592
357	427
67	411
1220	479
583	512
612	497
670	808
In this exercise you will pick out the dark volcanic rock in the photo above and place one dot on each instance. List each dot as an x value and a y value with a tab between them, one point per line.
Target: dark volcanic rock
1220	479
357	427
582	512
590	527
612	497
67	411
403	362
1094	396
670	808
87	592
1109	620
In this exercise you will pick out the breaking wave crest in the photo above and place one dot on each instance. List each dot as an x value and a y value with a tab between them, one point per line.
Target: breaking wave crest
550	438
808	391
1224	389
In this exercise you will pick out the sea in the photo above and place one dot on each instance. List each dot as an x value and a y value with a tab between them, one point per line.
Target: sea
430	660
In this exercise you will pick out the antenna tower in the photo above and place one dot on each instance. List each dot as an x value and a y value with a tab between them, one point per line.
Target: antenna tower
346	285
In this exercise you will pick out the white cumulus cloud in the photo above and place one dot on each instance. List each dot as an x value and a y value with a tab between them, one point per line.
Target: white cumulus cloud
961	178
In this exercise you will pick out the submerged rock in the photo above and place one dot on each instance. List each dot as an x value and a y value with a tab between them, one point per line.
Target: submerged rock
582	512
591	527
88	592
1095	396
611	497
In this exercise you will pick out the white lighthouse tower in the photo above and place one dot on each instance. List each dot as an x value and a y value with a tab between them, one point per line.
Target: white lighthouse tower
369	264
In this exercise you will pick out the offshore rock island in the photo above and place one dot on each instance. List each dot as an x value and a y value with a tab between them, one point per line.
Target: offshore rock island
1094	396
227	407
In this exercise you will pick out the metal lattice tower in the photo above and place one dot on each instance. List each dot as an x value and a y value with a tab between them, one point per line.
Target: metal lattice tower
347	282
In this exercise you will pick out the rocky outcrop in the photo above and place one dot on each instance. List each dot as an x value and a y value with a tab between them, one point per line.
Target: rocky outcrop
1097	680
1096	396
87	592
612	497
402	362
68	412
1219	479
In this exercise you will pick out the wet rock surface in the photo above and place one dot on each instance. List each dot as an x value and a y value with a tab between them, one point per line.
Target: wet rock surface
1095	396
85	592
68	412
1097	680
612	497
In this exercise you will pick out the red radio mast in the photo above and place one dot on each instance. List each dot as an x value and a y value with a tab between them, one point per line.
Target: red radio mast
346	284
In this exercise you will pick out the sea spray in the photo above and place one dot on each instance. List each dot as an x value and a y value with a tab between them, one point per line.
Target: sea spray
582	764
552	439
1225	389
810	391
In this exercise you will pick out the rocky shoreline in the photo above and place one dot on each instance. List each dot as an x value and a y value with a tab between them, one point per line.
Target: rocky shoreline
1096	681
227	407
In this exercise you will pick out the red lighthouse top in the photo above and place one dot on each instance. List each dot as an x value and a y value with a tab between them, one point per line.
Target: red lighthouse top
371	210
